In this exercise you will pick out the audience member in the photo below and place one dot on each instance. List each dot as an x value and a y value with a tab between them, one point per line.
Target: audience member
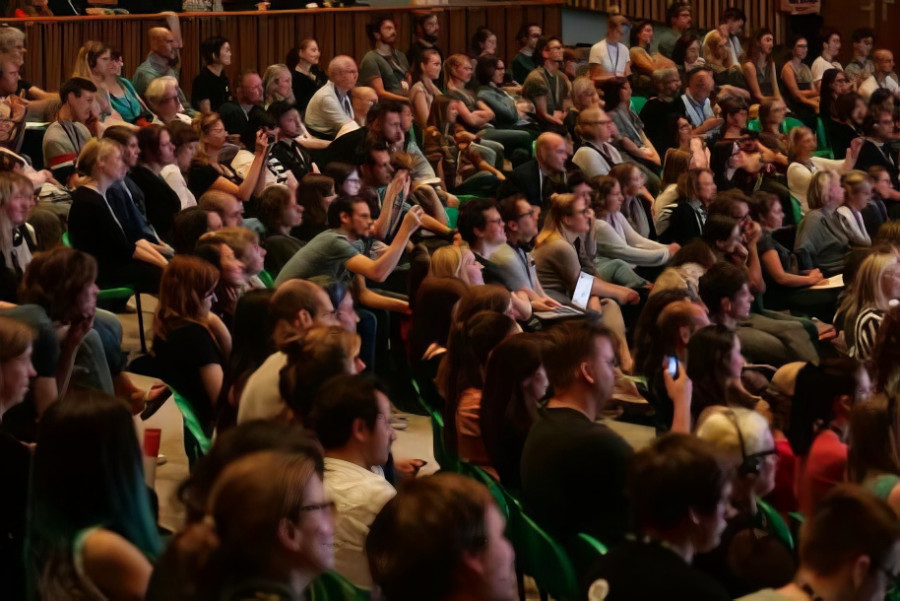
861	67
163	51
831	46
547	87
820	235
210	89
525	61
185	140
678	21
248	102
156	153
384	68
660	111
428	26
803	166
306	77
66	136
277	85
330	108
207	173
609	57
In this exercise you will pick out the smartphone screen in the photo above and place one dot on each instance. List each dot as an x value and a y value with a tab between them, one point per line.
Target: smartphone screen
672	366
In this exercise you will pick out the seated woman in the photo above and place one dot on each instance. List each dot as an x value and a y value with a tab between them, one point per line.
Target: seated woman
476	115
696	190
210	88
460	380
190	225
306	77
93	534
484	43
162	99
251	503
846	124
745	440
676	162
185	140
233	279
643	64
834	83
857	196
797	77
94	228
801	145
729	77
345	176
714	365
786	286
759	67
244	243
278	85
686	55
584	95
423	91
163	202
633	140
509	113
191	344
514	384
637	199
315	195
279	213
207	173
464	166
92	63
876	288
821	241
613	234
872	457
559	264
123	98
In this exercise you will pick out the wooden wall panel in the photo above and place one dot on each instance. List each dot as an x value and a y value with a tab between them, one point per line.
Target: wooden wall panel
760	13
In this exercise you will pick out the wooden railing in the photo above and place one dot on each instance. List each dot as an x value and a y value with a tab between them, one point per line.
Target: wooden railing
260	39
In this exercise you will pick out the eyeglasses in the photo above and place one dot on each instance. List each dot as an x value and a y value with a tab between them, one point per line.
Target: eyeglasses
603	122
530	213
326	506
494	221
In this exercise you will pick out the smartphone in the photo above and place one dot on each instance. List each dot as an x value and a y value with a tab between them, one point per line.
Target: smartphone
672	366
270	139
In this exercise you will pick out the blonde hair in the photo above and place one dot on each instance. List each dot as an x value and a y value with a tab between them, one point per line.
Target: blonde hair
714	37
867	290
240	239
10	183
446	261
157	88
95	151
560	208
718	428
272	72
854	180
819	188
793	139
87	59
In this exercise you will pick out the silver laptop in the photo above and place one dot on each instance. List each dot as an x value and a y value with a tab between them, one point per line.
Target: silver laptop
580	299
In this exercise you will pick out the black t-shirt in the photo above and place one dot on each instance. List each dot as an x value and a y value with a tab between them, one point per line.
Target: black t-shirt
200	178
212	87
646	571
304	87
180	356
573	476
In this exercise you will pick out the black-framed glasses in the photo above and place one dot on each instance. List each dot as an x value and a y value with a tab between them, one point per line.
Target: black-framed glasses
526	214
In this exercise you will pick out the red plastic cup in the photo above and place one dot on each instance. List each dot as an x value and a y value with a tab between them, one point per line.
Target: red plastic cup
151	442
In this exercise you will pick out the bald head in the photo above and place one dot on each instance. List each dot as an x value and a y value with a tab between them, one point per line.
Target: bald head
551	152
363	98
884	61
343	72
678	321
162	42
594	124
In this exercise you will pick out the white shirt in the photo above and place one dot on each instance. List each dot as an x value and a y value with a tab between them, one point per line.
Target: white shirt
613	60
820	65
871	84
173	176
592	163
359	495
261	398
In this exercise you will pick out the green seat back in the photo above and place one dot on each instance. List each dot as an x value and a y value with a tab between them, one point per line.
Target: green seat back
542	558
790	123
447	460
115	294
452	215
637	103
266	278
464	198
797	211
197	441
776	524
331	586
475	472
754	125
821	136
65	239
585	551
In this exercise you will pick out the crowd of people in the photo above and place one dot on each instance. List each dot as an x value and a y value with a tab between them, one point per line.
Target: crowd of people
693	232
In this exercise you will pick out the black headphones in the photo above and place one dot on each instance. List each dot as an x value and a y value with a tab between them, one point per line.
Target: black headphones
749	463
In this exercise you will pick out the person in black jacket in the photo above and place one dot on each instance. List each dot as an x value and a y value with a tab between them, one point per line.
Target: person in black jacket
543	176
876	150
687	216
94	229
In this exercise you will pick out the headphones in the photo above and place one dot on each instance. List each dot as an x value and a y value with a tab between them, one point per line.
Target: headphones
750	464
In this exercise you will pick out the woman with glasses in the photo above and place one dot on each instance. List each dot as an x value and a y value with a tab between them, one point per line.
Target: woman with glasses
798	82
208	173
827	60
558	253
509	114
162	98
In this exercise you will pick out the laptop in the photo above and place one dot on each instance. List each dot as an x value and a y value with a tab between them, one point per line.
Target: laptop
579	301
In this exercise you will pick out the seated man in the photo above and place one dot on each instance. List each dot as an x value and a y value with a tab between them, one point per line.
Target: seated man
482	227
342	251
385	68
595	156
163	51
725	290
847	549
351	417
573	468
679	491
66	135
248	94
331	107
441	538
227	206
543	176
13	109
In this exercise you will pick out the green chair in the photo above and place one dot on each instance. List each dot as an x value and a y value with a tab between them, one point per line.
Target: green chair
447	460
796	210
585	551
331	586
790	123
464	198
542	558
476	473
637	103
775	524
452	215
197	441
266	278
754	125
119	297
824	148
